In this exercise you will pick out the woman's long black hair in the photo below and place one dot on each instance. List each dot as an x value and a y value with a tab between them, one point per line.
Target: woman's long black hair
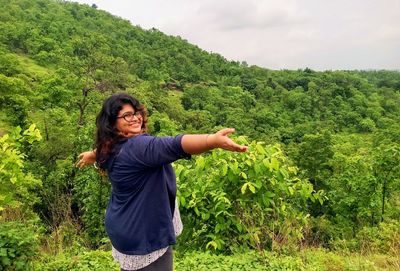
107	135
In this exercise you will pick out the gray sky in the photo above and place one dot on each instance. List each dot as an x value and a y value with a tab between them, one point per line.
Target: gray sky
278	34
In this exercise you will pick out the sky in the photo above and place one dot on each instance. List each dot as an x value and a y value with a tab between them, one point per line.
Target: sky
277	34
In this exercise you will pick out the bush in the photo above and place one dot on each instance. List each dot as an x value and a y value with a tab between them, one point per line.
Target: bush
15	183
321	260
205	261
252	260
252	200
18	246
91	193
384	239
366	125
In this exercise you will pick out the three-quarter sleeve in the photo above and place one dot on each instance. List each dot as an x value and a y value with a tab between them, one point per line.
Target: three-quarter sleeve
153	151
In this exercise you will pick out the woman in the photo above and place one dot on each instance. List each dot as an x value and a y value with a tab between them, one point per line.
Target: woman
141	219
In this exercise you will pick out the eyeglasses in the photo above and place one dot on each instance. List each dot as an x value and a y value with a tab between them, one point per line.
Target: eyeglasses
130	116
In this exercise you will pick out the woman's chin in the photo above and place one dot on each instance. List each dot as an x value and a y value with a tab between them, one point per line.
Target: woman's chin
136	132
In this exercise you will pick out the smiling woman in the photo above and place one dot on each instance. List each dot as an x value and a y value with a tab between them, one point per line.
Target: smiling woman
142	218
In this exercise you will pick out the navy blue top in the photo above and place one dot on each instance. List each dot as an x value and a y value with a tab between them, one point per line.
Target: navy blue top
139	214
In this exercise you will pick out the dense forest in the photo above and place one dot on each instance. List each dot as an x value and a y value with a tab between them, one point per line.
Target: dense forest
318	190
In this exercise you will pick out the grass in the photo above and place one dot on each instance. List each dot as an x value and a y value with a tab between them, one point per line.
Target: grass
305	260
309	259
30	67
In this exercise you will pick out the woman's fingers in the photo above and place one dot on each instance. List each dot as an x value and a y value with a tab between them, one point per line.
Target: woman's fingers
79	164
227	143
84	160
240	148
232	146
226	131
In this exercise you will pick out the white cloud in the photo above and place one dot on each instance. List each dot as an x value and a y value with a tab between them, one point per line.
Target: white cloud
250	14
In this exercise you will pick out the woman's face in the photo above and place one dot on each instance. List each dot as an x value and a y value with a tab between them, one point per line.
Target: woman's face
129	122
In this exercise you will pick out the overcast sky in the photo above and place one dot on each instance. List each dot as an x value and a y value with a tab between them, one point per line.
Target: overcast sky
278	34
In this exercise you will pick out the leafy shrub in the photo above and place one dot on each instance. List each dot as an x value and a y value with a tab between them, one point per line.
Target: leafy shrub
206	261
321	260
18	246
320	231
366	125
14	181
92	194
252	260
251	200
344	245
64	238
384	239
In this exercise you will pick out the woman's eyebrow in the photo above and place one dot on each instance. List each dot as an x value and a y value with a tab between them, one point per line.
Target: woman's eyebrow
126	112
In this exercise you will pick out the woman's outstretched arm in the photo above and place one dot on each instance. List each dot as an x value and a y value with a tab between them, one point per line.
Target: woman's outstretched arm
196	144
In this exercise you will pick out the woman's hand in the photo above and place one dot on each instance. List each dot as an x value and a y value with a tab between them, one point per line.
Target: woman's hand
221	140
86	158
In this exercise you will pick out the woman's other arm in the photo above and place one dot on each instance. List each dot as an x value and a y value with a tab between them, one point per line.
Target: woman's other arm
86	158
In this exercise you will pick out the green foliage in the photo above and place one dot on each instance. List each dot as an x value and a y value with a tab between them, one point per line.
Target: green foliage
9	64
91	192
206	261
384	238
367	125
13	91
314	153
354	193
18	246
305	260
162	125
387	171
85	261
252	199
318	259
14	182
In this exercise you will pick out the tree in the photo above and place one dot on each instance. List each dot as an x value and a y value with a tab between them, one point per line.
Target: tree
353	190
387	172
15	183
314	153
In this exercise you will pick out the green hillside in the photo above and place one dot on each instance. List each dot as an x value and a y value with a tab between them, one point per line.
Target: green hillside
323	169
